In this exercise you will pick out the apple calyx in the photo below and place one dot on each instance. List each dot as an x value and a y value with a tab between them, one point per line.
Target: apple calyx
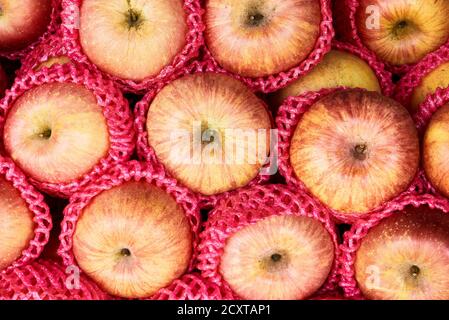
415	271
125	252
45	134
360	151
255	19
403	28
275	262
133	18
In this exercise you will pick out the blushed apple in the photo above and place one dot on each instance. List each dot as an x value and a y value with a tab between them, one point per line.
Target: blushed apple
355	150
133	240
337	69
23	22
56	132
218	120
132	39
260	38
403	32
406	257
16	224
279	257
435	150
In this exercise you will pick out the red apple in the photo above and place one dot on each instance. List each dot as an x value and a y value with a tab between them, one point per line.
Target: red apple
406	256
278	257
23	22
132	39
257	38
56	132
205	129
16	224
403	32
355	150
435	150
133	240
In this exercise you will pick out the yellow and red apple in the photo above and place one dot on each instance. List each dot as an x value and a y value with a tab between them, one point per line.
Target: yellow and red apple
56	132
355	150
133	240
132	39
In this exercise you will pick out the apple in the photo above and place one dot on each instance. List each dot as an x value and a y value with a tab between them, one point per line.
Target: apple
278	257
23	22
133	240
51	61
221	129
4	82
402	32
16	224
132	39
355	150
435	150
337	69
436	78
256	38
56	132
406	256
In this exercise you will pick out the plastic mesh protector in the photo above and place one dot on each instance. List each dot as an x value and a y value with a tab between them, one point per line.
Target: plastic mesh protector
48	48
287	119
117	175
406	86
385	77
37	205
275	82
249	206
422	118
347	29
193	287
115	109
46	280
354	237
146	152
194	39
52	28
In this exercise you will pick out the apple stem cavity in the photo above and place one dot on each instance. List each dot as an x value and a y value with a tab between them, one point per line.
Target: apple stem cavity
360	151
125	252
276	257
415	271
45	134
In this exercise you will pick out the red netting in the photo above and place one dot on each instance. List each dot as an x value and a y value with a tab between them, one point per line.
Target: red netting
52	28
46	280
411	80
115	109
385	77
345	12
288	117
38	207
353	238
117	175
146	152
193	287
248	206
194	37
422	118
49	48
275	82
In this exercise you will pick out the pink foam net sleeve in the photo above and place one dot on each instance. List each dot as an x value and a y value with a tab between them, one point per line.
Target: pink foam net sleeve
287	119
115	107
52	28
47	280
115	176
194	41
36	204
354	237
248	206
193	287
275	82
146	153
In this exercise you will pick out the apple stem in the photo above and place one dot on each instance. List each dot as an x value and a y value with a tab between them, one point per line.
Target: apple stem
125	252
46	134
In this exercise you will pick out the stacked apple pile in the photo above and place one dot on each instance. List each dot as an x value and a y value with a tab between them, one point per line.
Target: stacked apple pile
224	149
